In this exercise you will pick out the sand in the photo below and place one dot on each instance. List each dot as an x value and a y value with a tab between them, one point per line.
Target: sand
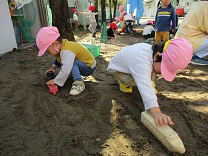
100	121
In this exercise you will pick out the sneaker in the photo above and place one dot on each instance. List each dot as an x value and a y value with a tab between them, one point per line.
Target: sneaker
147	41
124	88
198	61
77	88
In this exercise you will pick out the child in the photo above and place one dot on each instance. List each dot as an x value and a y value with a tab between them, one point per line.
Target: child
129	21
123	22
117	21
149	31
195	29
133	65
111	30
70	56
93	23
121	9
75	18
164	15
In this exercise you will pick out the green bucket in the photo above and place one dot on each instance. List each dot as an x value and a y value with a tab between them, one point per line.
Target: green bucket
94	49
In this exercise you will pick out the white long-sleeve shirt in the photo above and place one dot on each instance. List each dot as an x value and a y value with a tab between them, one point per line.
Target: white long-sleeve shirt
148	30
91	16
137	60
128	17
75	17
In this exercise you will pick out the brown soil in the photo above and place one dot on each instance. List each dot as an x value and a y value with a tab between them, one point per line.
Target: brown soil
100	121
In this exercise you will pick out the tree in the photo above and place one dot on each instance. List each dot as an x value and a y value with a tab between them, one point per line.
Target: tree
96	10
103	11
110	10
61	19
115	2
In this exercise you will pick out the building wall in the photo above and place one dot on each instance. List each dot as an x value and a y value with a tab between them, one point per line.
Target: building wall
186	4
150	6
71	3
7	36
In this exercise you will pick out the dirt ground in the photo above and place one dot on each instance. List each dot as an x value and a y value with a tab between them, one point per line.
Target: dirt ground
100	121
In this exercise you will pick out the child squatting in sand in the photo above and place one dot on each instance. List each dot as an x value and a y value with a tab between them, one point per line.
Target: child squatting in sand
70	56
134	64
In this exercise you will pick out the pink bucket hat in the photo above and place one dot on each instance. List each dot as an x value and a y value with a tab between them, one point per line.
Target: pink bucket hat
117	18
176	56
45	37
121	7
149	22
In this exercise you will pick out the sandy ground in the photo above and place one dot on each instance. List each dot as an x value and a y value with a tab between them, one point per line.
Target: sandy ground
100	121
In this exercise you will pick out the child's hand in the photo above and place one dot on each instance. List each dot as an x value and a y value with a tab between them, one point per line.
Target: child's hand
50	82
160	118
155	57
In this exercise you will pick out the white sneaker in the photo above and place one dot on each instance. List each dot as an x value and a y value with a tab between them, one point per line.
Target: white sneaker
77	88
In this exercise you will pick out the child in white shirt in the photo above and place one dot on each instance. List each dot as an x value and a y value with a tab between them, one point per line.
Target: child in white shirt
75	18
149	31
93	22
134	64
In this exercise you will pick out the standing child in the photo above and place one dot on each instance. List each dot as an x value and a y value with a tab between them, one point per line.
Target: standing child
134	64
149	31
164	15
123	26
70	56
91	16
121	9
75	18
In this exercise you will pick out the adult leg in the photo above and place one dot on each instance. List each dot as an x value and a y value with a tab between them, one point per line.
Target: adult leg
201	54
202	50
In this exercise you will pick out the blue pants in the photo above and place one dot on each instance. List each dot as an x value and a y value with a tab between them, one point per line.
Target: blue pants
80	69
202	50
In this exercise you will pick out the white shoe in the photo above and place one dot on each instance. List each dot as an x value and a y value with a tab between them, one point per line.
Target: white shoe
77	88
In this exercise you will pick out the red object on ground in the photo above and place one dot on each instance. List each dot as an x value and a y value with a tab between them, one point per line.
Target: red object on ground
180	11
53	89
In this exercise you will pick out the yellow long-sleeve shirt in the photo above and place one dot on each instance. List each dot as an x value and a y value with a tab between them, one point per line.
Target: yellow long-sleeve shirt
194	27
69	52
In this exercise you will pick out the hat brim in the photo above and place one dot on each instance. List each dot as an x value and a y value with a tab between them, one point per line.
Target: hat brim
166	74
41	52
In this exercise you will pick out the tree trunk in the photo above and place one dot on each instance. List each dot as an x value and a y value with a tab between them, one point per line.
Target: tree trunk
114	6
110	5
96	10
61	19
103	11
